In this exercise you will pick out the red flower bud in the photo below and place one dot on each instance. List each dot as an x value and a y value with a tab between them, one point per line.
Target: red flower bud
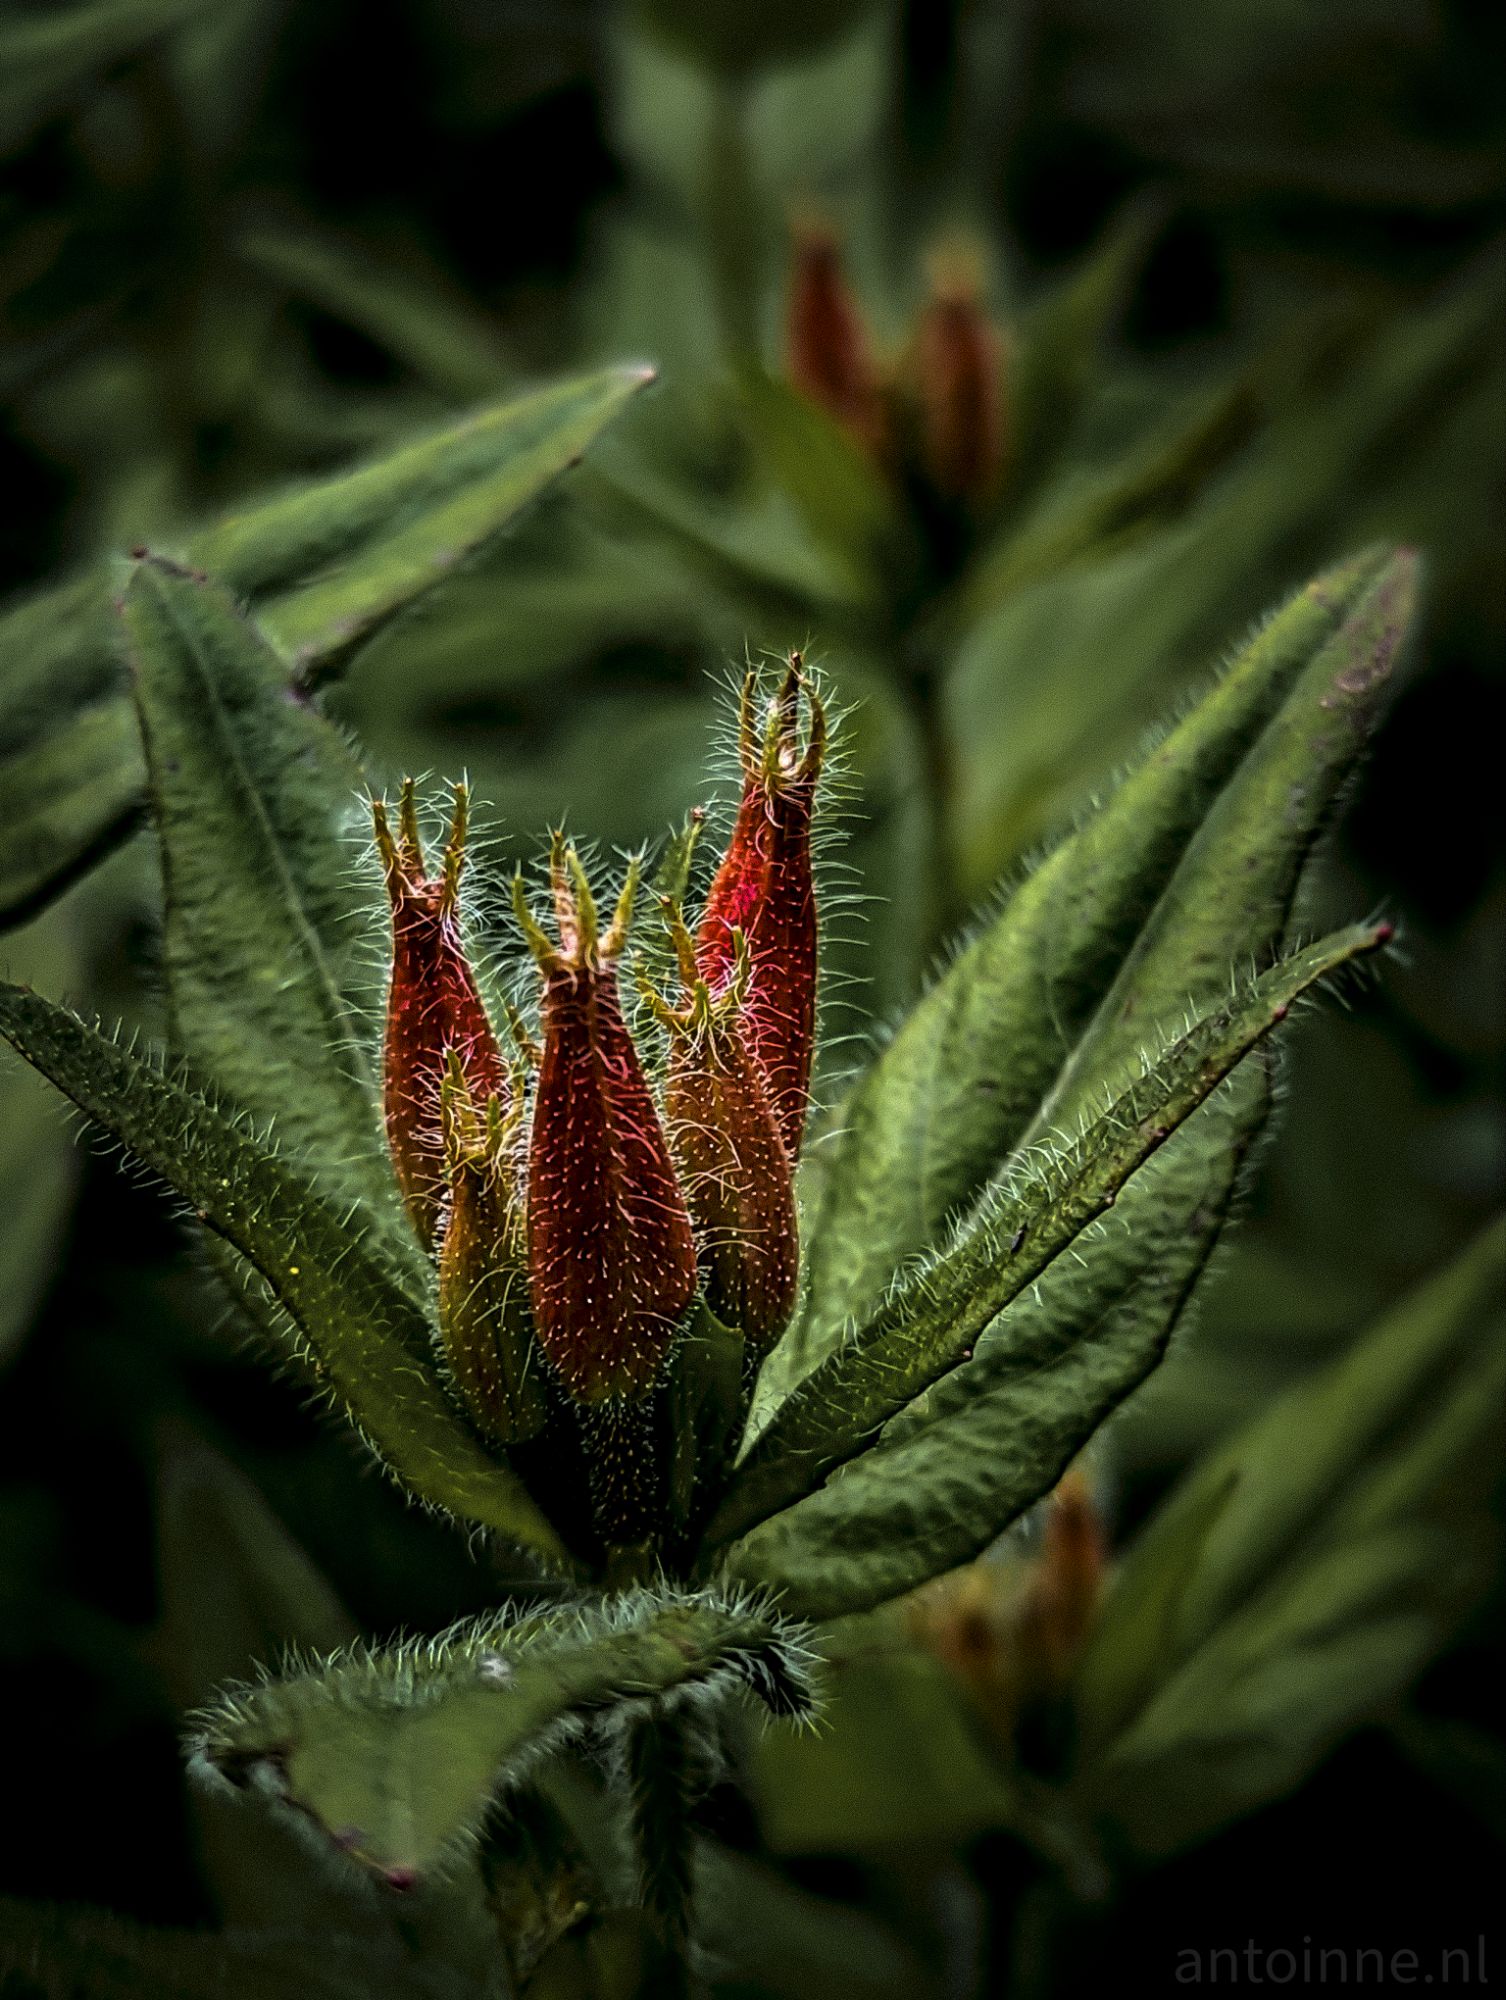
828	355
433	1006
484	1315
957	371
765	889
735	1168
611	1257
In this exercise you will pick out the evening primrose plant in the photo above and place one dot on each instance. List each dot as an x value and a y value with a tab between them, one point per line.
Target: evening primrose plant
701	1367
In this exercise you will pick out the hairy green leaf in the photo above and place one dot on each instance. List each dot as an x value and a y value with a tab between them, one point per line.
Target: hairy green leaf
368	1335
398	1755
323	567
934	1320
962	1461
1021	1018
328	563
253	794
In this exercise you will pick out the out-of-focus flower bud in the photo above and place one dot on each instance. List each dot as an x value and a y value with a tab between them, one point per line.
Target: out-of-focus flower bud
484	1314
765	889
611	1256
828	356
434	1007
1013	1632
956	376
734	1166
1067	1581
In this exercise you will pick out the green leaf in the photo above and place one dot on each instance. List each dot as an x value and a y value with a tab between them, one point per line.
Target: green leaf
1017	1400
254	796
841	495
1304	1573
398	1756
368	1337
328	563
1232	894
952	1096
953	1469
323	568
239	1594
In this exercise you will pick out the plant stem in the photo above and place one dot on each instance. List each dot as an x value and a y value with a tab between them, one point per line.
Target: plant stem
658	1773
732	219
920	686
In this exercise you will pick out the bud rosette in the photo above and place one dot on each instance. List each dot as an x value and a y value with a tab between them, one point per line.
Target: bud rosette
828	356
734	1165
765	890
611	1255
434	1007
484	1315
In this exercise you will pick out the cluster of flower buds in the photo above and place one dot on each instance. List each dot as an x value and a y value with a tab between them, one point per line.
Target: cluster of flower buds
935	414
576	1198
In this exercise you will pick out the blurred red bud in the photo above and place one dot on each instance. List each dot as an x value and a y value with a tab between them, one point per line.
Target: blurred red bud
827	353
957	374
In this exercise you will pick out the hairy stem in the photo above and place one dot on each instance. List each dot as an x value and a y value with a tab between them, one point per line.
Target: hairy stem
659	1779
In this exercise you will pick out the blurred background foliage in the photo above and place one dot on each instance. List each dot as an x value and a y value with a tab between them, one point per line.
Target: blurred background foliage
1245	264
